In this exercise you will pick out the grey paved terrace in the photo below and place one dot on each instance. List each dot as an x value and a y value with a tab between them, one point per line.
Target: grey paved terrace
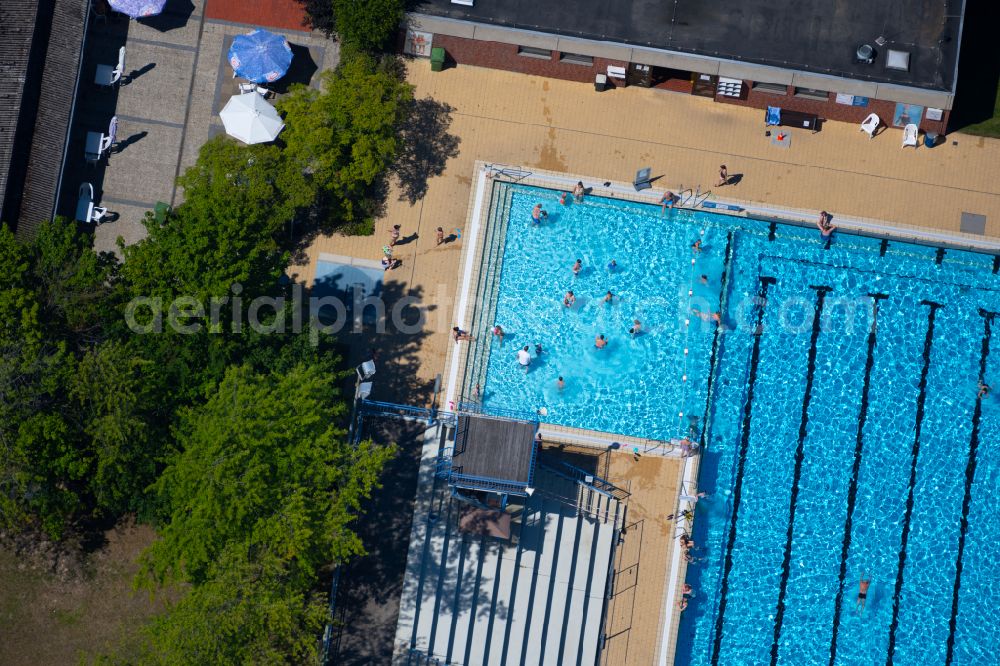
176	81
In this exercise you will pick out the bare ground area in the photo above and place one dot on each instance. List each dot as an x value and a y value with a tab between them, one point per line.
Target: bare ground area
65	614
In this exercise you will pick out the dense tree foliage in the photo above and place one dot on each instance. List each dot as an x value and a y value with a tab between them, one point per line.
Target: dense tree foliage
365	25
56	298
254	607
340	141
262	463
227	437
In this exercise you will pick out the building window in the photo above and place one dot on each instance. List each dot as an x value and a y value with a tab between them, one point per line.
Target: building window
532	52
576	59
771	88
812	93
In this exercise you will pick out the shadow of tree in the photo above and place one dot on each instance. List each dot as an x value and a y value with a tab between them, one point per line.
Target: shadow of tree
370	588
425	147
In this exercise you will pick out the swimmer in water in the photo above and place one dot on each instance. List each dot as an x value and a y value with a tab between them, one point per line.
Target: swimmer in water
569	299
863	592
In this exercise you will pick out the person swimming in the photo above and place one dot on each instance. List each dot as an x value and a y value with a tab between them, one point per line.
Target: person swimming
863	592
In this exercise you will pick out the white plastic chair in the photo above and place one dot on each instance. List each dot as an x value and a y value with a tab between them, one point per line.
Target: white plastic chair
870	125
253	87
108	75
910	135
98	214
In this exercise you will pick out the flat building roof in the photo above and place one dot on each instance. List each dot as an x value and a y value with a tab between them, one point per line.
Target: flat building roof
804	35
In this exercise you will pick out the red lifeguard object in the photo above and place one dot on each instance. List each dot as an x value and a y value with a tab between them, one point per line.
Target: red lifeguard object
562	198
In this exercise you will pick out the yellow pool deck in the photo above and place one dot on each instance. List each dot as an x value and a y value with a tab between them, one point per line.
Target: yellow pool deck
567	127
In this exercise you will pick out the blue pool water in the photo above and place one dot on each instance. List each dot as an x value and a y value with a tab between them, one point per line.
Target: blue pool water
843	434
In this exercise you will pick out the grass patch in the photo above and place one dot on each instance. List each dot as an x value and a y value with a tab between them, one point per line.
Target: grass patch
45	620
989	127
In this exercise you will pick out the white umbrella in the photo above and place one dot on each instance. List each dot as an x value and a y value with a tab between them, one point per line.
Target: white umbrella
250	119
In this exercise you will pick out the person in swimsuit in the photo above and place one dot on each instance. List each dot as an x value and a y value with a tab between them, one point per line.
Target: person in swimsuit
600	342
524	358
609	297
579	191
577	267
826	227
668	200
537	214
460	335
863	592
569	299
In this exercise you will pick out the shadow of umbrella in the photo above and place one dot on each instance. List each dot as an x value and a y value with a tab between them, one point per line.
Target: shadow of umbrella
302	70
175	14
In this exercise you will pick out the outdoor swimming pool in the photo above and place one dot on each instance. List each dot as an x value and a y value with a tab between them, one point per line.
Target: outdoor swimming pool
838	408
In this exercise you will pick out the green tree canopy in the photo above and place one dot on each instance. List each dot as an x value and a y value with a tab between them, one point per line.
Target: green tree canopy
252	608
367	25
340	140
261	463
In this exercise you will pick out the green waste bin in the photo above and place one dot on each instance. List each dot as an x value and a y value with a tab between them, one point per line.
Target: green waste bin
437	59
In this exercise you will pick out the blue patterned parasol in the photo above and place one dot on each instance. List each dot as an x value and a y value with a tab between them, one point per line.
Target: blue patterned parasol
261	56
138	8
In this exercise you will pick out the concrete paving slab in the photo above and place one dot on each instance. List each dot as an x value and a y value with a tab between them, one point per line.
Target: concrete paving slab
144	170
180	26
157	89
128	226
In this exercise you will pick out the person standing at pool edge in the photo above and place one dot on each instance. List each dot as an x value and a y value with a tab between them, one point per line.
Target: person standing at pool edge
579	191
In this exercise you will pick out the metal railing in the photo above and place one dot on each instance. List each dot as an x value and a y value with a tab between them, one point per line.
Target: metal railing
590	480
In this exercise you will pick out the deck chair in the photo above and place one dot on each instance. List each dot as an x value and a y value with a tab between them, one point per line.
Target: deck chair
773	116
870	125
910	135
109	75
99	214
253	87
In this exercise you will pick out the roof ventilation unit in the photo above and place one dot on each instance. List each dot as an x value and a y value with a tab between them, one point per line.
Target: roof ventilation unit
865	54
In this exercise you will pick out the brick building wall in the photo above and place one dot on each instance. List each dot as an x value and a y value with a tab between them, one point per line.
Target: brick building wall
497	55
829	109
